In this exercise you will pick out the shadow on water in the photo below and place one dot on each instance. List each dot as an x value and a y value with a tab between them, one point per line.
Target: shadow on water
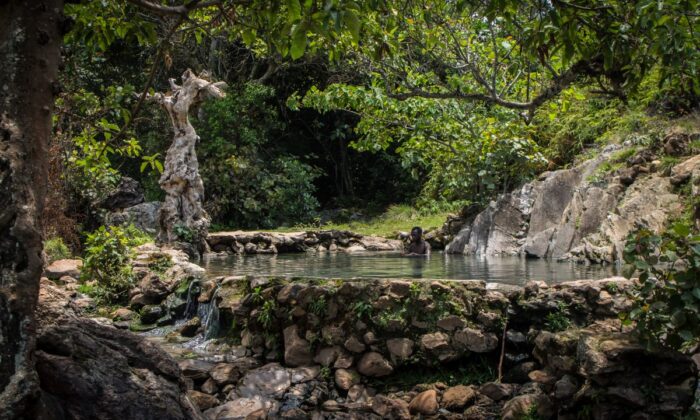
507	270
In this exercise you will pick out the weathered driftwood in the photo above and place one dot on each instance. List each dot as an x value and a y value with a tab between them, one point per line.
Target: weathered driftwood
182	209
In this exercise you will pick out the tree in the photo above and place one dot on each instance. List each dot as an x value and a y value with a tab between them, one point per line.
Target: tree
30	37
181	216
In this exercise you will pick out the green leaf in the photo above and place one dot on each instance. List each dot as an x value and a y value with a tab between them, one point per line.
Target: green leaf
143	166
293	10
298	42
353	24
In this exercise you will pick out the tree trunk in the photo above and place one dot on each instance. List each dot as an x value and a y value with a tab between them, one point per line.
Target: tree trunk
30	39
182	217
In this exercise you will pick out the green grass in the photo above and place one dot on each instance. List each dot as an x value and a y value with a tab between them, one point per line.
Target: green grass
397	218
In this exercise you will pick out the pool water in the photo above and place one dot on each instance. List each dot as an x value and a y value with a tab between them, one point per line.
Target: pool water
508	270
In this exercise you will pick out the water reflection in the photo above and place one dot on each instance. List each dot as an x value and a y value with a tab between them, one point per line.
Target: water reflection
509	270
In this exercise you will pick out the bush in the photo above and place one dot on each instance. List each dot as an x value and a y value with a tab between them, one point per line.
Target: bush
56	249
107	260
667	303
250	181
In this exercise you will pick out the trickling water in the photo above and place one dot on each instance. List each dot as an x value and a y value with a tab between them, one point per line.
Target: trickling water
211	317
191	307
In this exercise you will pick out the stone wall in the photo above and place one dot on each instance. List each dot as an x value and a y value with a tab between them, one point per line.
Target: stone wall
242	242
343	338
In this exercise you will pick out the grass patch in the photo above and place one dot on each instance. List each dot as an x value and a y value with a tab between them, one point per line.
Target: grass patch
397	218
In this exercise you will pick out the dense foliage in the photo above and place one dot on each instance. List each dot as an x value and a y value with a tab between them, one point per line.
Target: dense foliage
251	182
667	308
108	251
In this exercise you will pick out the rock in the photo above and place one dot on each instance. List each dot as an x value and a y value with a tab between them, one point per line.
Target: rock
197	370
451	322
435	341
209	387
374	364
345	379
155	287
424	403
297	351
90	371
143	216
151	313
369	338
566	387
67	280
399	288
457	397
522	405
190	328
542	377
123	314
390	408
201	400
476	340
327	355
225	373
240	408
496	391
354	345
304	374
269	381
60	268
400	348
676	144
344	360
126	194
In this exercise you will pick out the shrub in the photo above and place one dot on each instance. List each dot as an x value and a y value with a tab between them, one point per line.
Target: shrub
667	303
56	249
251	180
107	260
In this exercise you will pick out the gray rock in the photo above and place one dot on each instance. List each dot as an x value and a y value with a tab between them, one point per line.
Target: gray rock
497	391
345	379
476	340
60	268
354	345
297	351
374	364
269	381
240	408
400	348
435	341
143	216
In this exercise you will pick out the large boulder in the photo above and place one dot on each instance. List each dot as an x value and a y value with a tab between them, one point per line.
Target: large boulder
60	268
126	194
89	370
144	216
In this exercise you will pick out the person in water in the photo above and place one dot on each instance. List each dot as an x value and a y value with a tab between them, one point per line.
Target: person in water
417	246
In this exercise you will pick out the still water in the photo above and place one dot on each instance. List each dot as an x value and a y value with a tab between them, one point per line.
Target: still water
508	270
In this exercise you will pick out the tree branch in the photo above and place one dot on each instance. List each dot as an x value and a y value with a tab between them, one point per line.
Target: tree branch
181	10
559	83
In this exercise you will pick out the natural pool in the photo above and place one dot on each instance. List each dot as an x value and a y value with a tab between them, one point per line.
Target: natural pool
507	270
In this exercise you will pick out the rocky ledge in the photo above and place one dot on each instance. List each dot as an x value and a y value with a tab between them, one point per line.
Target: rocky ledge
243	242
584	213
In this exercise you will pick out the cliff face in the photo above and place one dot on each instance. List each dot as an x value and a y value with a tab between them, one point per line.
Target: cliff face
583	213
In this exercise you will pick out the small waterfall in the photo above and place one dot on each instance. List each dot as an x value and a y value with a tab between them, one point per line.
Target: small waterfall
191	307
209	315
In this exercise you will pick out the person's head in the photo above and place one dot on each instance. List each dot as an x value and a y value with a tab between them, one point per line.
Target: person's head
416	234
